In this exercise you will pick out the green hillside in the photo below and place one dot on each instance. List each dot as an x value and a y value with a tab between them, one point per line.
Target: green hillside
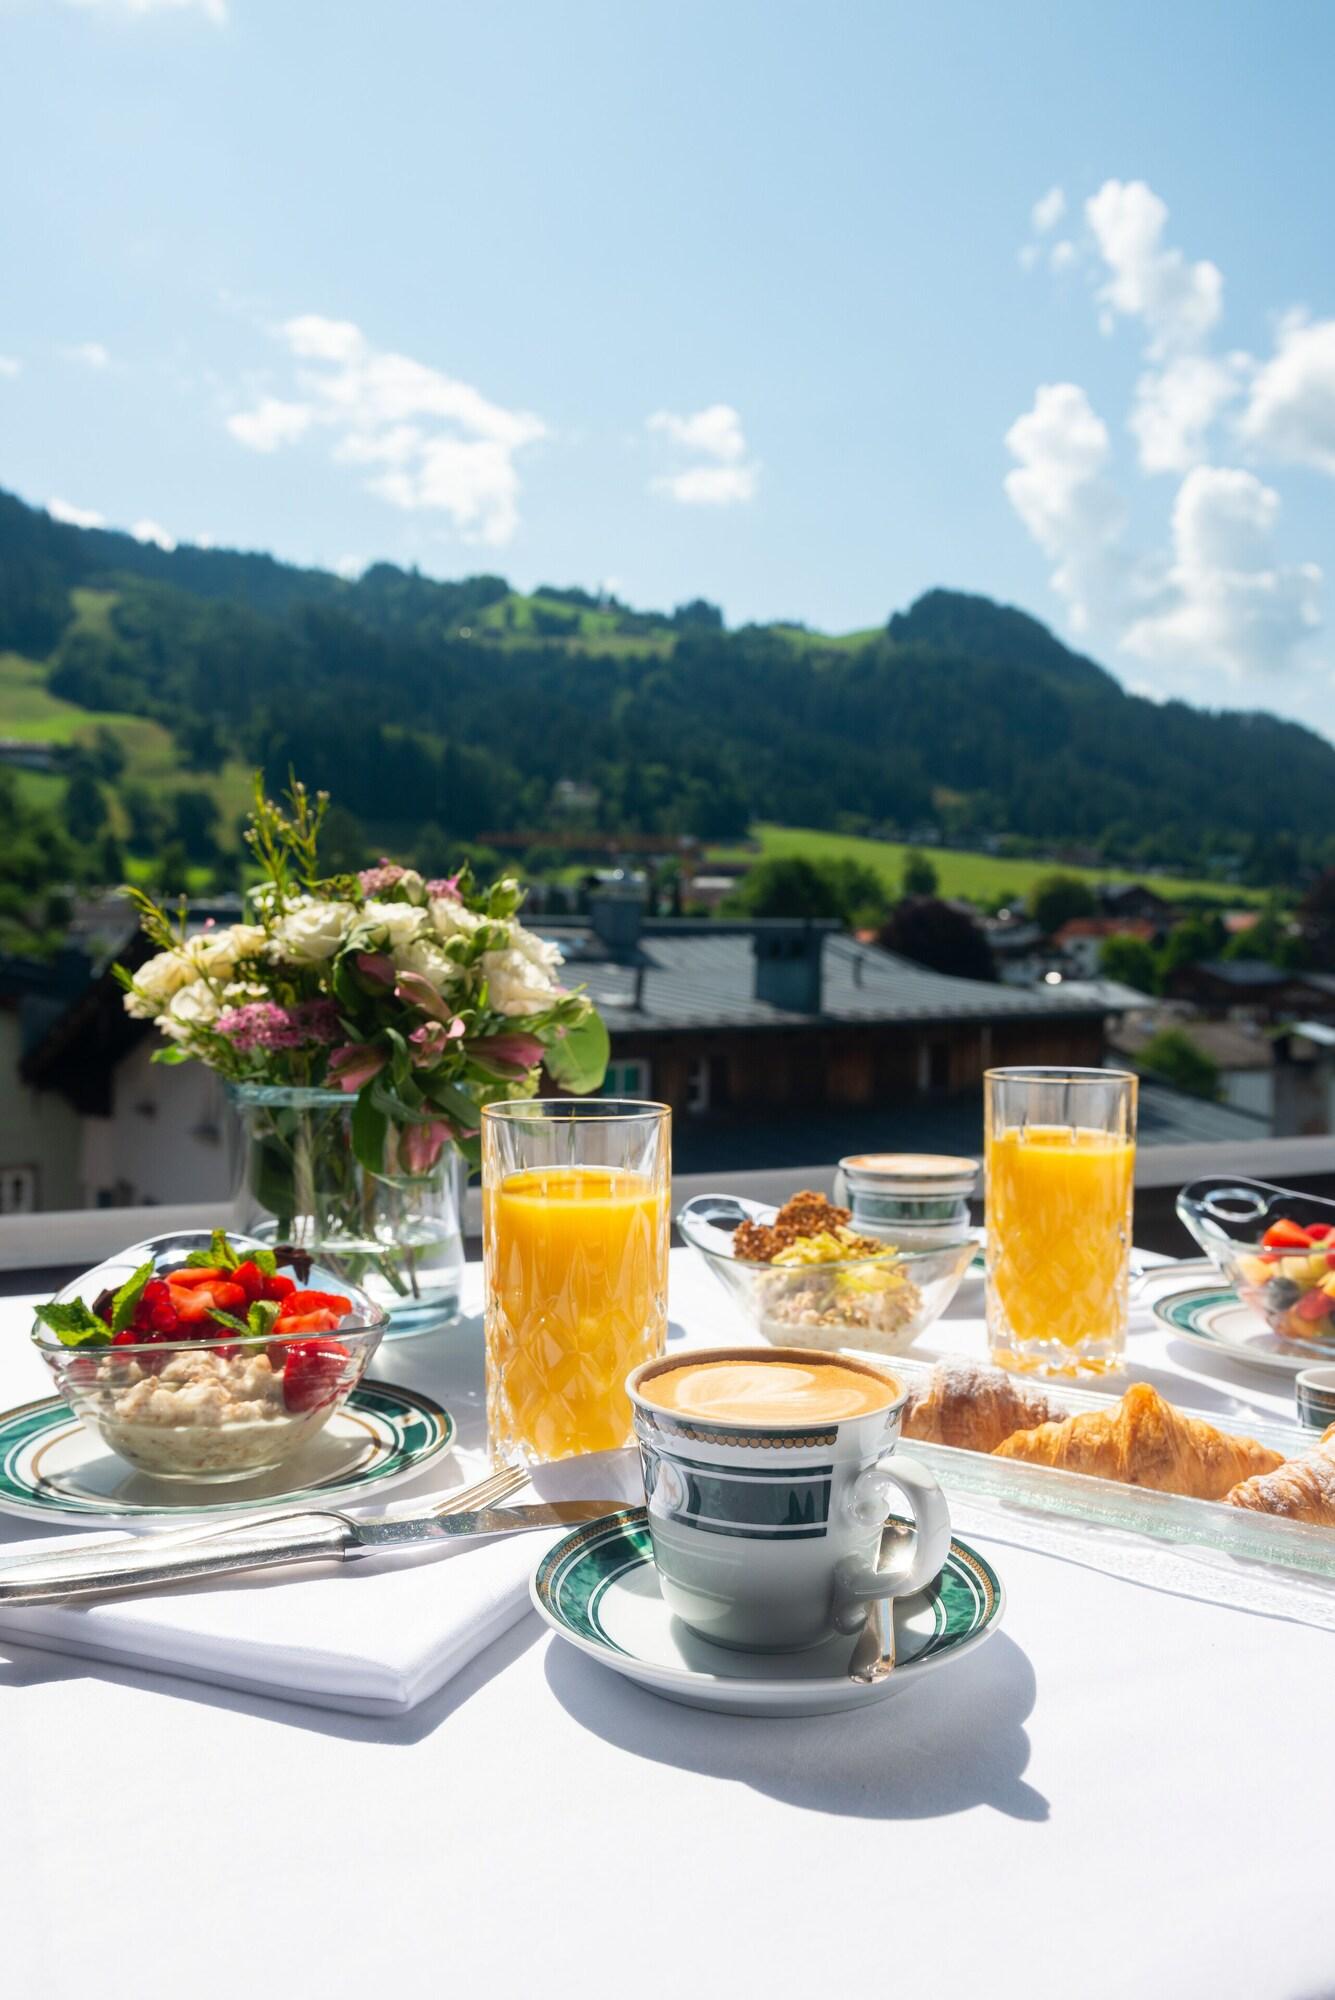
976	878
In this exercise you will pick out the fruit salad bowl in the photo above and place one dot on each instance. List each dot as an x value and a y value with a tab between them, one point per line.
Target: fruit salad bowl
1275	1247
877	1303
207	1357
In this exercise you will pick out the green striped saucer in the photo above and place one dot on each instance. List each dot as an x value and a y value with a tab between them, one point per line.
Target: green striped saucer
598	1589
1214	1316
54	1467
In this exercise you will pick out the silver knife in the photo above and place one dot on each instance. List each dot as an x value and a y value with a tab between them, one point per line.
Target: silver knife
284	1538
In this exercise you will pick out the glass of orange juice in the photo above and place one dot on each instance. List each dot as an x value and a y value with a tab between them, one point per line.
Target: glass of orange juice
1060	1165
575	1232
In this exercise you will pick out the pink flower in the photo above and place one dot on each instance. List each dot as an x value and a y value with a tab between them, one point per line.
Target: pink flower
516	1054
444	888
354	1064
431	1040
375	881
261	1024
416	991
376	966
422	1145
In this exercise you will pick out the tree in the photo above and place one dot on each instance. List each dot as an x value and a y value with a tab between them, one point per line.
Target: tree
938	935
144	811
1056	898
1173	1056
85	807
194	822
1194	941
792	886
786	885
110	861
920	877
172	874
1130	959
1272	938
343	843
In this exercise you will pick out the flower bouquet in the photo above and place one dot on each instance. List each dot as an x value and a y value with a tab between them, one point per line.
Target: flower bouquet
361	1022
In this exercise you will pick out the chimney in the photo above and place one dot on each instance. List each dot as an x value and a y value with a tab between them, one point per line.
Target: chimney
788	965
616	913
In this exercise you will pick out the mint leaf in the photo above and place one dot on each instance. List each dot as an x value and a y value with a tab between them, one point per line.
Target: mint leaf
220	1256
126	1302
260	1319
265	1261
232	1324
75	1324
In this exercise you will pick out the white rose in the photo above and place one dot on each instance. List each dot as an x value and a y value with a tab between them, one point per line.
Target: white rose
217	952
538	951
411	884
434	965
195	1006
395	924
311	932
162	976
515	985
452	918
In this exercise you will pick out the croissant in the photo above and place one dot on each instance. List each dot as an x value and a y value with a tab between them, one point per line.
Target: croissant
1301	1489
973	1407
1144	1441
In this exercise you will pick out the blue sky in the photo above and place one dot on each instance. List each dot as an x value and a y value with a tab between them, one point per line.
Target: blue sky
773	303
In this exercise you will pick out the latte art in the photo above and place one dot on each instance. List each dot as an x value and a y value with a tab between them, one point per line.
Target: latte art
764	1391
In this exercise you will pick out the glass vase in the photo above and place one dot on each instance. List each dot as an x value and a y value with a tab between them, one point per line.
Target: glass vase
395	1236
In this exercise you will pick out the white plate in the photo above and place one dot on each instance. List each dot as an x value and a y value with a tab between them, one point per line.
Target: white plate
1214	1317
599	1589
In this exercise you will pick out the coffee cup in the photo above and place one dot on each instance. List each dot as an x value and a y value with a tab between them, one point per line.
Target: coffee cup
769	1477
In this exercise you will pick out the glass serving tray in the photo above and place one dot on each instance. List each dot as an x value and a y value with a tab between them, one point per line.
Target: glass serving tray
1078	1496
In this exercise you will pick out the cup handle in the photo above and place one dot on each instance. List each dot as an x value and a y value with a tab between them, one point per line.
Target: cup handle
859	1581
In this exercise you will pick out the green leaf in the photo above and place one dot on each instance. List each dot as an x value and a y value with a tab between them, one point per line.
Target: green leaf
455	1103
264	1260
368	1126
579	1060
260	1319
220	1256
174	1054
124	1304
229	1320
75	1324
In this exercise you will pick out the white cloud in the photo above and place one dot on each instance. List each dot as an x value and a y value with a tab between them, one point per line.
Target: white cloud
440	443
1230	605
1178	302
8	365
272	422
715	435
212	10
1062	254
1291	411
1060	492
88	354
74	517
150	531
1176	405
1048	211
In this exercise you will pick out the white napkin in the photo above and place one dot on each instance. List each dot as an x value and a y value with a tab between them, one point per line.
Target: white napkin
376	1637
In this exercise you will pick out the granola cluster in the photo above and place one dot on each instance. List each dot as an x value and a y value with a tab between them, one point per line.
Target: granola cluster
804	1215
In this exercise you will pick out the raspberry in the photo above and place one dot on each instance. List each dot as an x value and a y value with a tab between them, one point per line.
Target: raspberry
313	1373
127	1337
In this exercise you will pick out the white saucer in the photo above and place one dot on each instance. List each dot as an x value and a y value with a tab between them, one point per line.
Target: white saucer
599	1589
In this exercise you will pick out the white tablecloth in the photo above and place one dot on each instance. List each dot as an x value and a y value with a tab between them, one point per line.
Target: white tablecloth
1125	1793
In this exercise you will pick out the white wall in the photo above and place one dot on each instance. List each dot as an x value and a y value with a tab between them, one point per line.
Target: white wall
37	1129
166	1140
1249	1090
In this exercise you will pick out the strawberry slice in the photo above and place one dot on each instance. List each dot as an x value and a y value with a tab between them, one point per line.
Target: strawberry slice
1313	1306
313	1374
322	1320
1286	1235
250	1278
1319	1232
279	1287
196	1274
303	1302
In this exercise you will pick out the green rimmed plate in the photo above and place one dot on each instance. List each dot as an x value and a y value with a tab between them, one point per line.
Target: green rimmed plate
598	1589
1213	1316
53	1467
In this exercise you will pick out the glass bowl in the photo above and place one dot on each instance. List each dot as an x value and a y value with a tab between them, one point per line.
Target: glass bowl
1291	1285
219	1408
878	1305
